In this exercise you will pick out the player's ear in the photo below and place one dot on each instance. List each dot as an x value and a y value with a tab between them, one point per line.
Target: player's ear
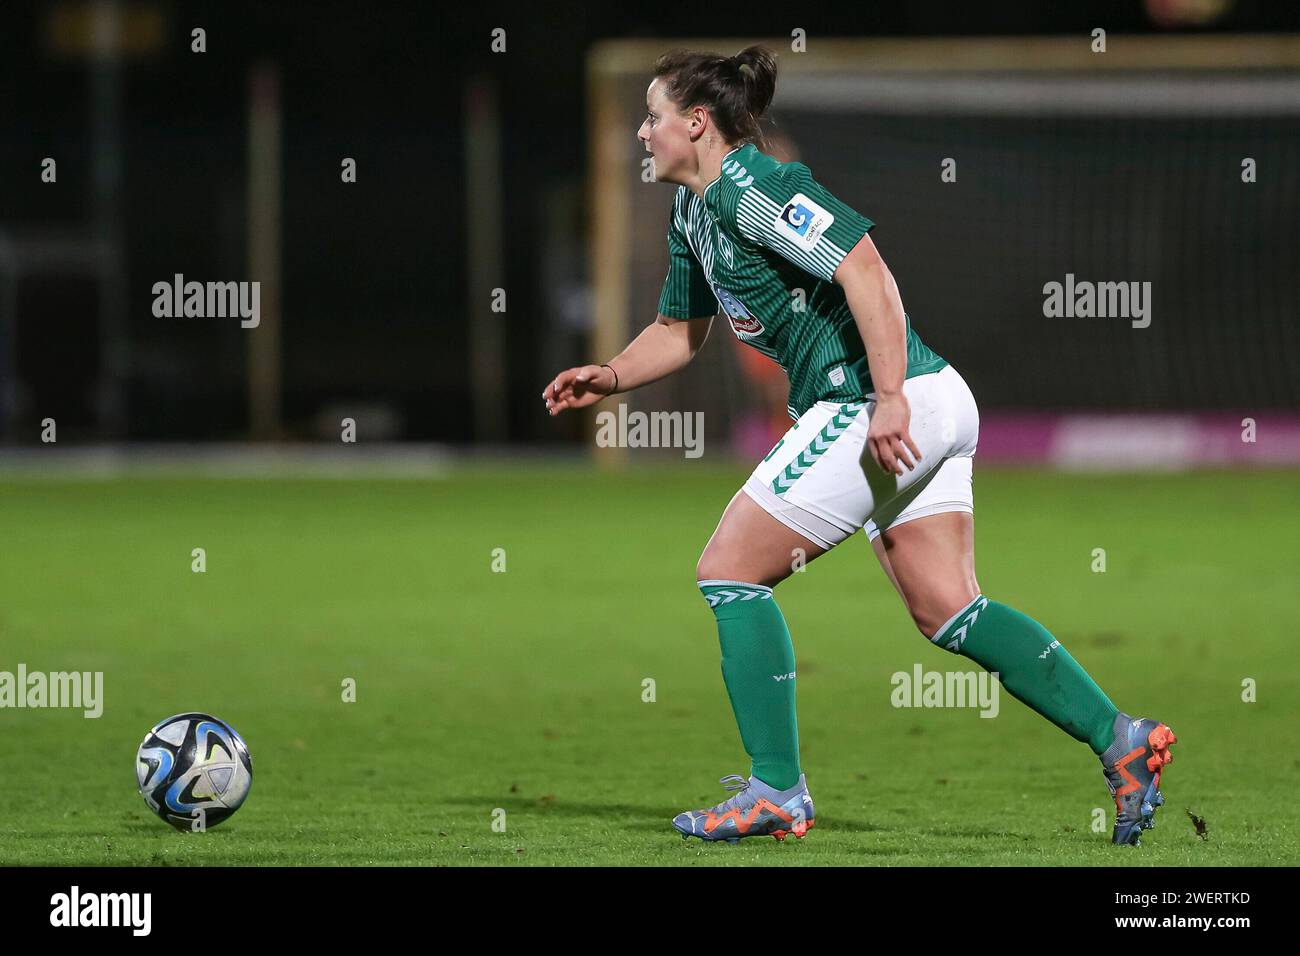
699	123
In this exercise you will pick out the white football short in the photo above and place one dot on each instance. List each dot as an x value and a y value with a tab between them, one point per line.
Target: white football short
821	481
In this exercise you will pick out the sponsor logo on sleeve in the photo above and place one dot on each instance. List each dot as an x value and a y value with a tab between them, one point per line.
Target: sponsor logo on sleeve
803	222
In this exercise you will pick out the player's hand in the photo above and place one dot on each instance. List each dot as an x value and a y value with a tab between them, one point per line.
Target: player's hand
888	437
577	388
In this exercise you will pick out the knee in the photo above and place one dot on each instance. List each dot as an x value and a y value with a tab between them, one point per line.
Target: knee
718	565
711	568
927	622
726	563
931	616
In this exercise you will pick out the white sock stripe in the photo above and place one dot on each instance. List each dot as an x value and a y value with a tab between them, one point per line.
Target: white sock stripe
739	584
726	597
952	620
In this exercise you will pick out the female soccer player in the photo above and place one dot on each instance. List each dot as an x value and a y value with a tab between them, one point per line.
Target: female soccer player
884	435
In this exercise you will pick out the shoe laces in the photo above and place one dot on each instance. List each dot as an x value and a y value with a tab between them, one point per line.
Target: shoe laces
732	781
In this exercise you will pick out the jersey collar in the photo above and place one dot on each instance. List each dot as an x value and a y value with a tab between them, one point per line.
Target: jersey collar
724	162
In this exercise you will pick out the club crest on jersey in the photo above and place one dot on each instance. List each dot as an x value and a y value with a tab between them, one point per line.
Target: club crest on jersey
745	327
803	222
742	323
724	247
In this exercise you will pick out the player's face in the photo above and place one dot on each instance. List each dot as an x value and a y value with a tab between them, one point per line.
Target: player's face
666	134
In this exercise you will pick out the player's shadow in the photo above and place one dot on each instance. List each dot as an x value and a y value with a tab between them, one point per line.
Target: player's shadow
550	806
850	825
143	826
977	832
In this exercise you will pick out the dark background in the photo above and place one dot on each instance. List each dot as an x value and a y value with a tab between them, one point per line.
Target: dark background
375	288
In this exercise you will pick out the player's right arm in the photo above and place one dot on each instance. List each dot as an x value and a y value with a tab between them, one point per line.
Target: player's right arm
687	306
663	347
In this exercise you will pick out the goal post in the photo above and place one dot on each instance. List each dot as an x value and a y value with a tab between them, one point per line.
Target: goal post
1119	165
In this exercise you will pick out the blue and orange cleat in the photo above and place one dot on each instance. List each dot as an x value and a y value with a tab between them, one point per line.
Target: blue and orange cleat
1132	765
757	810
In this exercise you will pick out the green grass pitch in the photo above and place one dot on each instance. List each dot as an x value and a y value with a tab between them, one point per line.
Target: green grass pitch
522	690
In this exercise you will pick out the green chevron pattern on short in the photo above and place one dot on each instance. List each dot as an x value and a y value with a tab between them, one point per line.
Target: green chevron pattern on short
837	426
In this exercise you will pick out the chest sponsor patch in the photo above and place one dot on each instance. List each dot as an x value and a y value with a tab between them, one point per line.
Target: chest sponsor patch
803	222
742	323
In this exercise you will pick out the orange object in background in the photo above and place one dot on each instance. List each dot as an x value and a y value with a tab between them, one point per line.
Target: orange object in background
755	430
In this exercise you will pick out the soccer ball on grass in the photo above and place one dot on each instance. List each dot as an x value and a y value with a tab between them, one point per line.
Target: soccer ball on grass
193	770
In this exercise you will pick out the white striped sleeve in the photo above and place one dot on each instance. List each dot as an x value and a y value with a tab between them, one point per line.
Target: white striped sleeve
686	293
790	213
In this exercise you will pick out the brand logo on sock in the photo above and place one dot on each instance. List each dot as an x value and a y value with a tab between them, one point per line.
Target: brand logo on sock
789	676
1049	649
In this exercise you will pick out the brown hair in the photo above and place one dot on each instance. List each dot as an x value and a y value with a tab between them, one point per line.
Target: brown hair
737	90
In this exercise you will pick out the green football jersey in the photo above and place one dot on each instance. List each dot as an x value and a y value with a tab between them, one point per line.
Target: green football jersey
762	246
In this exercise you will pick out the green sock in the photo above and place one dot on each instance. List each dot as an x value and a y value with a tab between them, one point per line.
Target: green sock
758	669
1034	668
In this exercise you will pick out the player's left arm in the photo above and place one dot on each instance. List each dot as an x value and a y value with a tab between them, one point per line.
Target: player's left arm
873	298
